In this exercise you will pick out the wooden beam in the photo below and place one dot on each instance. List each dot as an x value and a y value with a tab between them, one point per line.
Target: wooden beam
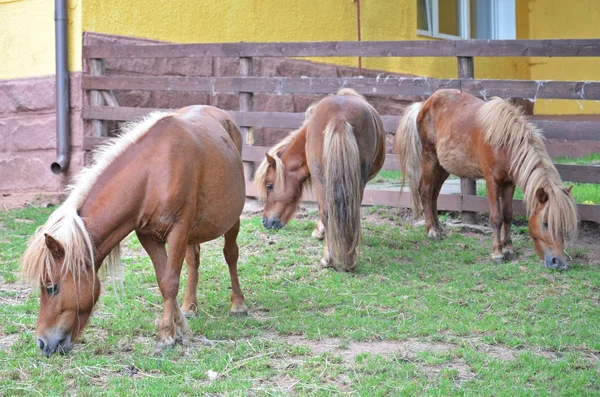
466	72
401	86
408	48
552	129
99	127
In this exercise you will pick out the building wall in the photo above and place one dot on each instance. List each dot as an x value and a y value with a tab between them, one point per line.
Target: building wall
309	20
564	20
27	37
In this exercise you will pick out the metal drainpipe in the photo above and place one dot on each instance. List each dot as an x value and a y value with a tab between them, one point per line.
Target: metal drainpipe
63	127
358	28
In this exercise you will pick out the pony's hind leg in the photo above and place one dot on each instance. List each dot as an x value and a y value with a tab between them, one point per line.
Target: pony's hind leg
190	299
507	213
432	172
167	268
440	177
231	253
495	217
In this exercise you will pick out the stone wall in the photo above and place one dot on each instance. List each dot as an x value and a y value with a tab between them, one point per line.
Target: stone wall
28	135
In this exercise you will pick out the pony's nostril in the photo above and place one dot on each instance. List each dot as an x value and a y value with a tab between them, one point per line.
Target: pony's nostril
554	261
40	343
264	221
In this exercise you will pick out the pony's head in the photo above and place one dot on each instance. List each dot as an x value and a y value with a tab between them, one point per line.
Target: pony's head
59	259
281	187
552	220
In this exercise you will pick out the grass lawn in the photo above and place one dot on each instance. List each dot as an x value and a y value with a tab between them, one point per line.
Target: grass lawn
417	318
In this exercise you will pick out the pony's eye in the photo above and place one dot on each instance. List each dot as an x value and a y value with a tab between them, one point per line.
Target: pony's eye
269	187
52	289
545	224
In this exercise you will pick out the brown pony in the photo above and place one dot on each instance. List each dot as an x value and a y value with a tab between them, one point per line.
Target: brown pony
173	178
457	133
338	149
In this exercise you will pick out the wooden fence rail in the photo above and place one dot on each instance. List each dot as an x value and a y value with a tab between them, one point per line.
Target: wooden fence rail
246	85
414	48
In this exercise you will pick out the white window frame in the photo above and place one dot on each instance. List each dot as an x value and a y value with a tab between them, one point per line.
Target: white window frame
432	16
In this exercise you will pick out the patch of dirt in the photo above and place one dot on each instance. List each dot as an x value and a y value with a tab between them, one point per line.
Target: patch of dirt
13	293
10	201
283	384
458	370
6	341
348	352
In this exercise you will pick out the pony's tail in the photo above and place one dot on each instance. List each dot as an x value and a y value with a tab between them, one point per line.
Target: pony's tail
409	148
343	191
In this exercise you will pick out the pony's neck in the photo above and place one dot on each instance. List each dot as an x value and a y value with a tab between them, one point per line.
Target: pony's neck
294	156
108	218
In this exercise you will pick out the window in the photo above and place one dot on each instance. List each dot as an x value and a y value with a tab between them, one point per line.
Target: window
466	19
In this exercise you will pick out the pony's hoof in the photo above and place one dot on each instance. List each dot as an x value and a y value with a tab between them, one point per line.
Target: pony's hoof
510	255
318	234
238	312
349	269
326	263
498	259
434	235
189	313
168	343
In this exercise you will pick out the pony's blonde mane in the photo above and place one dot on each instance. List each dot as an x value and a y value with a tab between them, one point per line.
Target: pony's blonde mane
67	227
260	175
505	126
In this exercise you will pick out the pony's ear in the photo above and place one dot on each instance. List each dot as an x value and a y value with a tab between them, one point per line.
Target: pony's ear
271	160
56	248
541	195
568	189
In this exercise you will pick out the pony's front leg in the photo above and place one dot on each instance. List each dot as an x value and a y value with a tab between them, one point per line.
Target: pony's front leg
495	218
173	324
319	232
231	253
507	213
327	259
190	299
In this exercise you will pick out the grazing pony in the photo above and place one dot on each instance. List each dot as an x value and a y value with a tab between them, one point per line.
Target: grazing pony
173	178
457	133
338	149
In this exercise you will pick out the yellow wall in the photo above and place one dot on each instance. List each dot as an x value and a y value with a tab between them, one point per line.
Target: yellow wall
560	19
27	33
27	37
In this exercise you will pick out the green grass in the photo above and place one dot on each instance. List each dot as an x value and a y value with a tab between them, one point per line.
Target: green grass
417	318
592	158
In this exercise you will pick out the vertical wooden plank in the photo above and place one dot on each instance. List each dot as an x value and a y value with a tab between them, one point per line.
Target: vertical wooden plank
99	127
246	105
467	186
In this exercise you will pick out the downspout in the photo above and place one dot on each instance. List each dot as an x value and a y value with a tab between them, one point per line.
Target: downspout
63	127
358	28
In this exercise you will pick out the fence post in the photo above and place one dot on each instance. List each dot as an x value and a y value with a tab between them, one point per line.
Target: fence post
246	105
468	187
99	127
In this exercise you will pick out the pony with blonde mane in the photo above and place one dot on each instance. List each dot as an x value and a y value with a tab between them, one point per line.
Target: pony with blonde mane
337	150
173	178
454	132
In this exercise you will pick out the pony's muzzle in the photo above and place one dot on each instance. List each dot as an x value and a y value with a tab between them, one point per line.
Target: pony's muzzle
55	343
272	223
554	262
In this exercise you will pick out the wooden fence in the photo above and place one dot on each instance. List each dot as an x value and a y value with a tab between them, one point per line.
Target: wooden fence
245	85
